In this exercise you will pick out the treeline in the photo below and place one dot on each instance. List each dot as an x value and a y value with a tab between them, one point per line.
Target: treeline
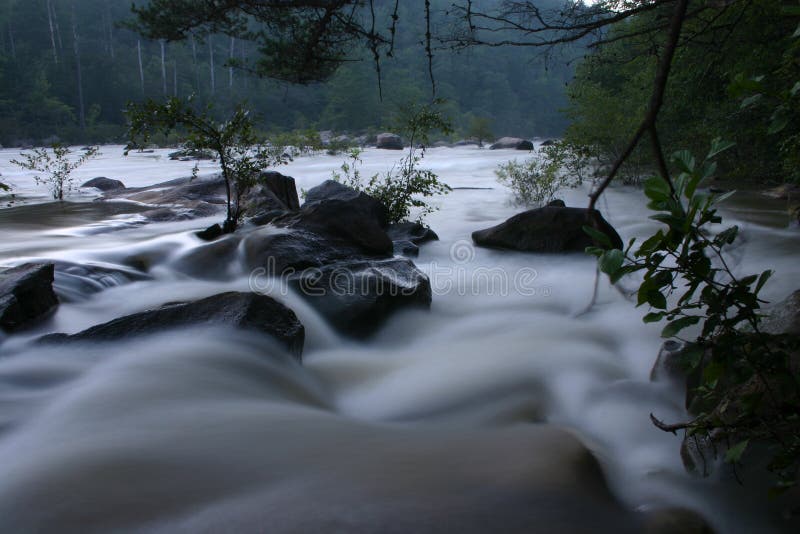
67	69
735	76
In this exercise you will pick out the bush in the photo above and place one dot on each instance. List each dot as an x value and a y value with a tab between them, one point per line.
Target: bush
537	180
56	166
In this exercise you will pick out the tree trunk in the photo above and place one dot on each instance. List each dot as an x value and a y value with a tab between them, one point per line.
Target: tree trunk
175	79
194	63
52	30
76	48
211	64
110	30
141	69
58	28
230	66
163	66
11	42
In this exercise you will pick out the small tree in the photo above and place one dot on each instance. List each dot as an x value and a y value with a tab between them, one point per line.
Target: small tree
480	128
400	188
242	155
538	179
56	166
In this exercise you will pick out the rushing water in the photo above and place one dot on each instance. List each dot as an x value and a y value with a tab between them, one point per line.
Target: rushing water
197	430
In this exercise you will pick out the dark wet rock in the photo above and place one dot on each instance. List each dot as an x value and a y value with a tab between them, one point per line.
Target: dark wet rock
441	144
188	154
548	142
283	252
407	236
75	282
783	317
212	261
675	520
557	203
26	295
669	364
389	141
283	187
182	192
241	310
548	229
466	142
357	296
104	184
211	233
516	143
344	214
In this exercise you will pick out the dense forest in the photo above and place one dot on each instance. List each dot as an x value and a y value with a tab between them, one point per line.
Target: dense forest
67	69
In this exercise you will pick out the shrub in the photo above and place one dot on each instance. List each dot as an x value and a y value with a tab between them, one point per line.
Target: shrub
56	166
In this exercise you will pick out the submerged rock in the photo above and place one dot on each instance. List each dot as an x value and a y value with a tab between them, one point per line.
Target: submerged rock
26	295
389	141
407	236
75	282
516	143
241	310
548	229
104	184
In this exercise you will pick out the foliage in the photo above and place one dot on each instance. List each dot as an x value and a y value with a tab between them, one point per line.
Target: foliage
748	388
480	128
56	166
538	179
400	188
241	154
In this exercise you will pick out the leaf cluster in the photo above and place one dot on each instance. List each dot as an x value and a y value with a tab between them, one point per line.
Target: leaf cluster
56	166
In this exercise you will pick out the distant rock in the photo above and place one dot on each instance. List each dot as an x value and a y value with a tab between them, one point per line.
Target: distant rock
548	142
26	295
389	141
104	184
512	142
548	229
466	142
188	154
241	310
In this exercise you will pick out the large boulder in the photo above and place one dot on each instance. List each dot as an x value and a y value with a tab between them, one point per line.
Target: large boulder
389	141
104	184
341	213
357	296
783	317
548	229
26	295
283	187
241	310
515	143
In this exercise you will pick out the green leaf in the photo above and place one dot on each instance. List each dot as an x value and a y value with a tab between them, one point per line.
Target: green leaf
685	161
653	317
673	328
750	100
598	236
780	119
734	454
795	87
718	145
656	188
611	261
763	280
723	196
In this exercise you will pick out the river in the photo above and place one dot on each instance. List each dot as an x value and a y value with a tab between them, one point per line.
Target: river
196	431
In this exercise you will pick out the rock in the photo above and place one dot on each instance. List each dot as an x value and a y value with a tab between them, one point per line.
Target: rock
466	142
26	295
548	229
188	154
441	144
783	317
283	187
784	192
344	214
357	296
407	236
104	184
557	203
389	141
548	142
283	253
211	233
675	520
211	261
512	142
668	364
240	310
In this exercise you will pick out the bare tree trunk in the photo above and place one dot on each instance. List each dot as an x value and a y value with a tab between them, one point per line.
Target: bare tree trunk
211	63
230	66
194	62
58	28
52	30
141	69
11	42
76	48
163	66
110	30
175	79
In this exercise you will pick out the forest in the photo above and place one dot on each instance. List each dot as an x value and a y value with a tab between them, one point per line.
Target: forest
69	68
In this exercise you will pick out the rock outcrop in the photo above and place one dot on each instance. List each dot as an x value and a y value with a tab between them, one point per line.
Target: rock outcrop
515	143
26	295
389	141
104	184
548	229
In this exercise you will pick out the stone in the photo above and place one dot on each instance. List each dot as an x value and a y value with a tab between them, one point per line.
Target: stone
26	295
548	229
249	311
515	143
104	184
389	141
